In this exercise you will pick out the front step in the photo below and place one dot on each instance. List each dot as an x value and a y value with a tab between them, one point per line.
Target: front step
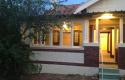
108	70
108	65
109	74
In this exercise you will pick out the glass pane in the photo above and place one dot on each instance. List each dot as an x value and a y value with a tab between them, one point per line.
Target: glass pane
77	34
56	37
36	39
47	38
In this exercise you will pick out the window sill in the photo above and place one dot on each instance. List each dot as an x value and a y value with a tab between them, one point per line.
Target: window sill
78	49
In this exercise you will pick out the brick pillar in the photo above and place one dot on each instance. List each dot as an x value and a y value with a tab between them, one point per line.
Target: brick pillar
121	57
124	33
91	56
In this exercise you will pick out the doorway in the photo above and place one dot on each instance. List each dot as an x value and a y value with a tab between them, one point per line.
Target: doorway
106	47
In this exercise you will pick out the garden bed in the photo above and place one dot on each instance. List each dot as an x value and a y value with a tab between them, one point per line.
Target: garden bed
62	77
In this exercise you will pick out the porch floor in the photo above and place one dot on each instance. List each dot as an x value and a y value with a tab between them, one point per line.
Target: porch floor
105	57
106	61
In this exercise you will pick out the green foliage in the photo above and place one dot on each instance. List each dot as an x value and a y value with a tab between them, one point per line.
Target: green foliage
14	53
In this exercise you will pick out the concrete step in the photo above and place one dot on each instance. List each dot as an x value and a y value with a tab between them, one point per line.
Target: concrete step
108	70
109	74
106	76
107	63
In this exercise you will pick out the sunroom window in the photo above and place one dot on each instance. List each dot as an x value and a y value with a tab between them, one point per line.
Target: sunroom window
56	37
77	37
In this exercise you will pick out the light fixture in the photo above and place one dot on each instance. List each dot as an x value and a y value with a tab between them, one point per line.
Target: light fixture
65	26
106	16
104	29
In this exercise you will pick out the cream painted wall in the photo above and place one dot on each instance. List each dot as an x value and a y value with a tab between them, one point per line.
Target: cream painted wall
122	72
64	69
107	6
58	56
66	38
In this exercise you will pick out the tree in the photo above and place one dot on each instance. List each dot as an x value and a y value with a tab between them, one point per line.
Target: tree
14	53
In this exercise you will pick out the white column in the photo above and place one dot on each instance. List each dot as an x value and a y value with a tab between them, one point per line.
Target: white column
72	34
115	37
51	38
83	33
121	29
86	31
115	43
61	37
97	31
32	40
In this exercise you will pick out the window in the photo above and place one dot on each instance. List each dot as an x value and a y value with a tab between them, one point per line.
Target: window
56	37
40	39
47	39
92	30
77	37
36	39
91	33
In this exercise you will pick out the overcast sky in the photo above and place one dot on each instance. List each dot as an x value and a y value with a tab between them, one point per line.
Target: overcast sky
74	1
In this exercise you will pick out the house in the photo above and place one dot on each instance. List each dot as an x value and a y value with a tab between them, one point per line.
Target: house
94	39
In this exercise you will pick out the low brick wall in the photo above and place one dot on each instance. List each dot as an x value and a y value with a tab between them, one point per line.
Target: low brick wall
68	60
59	56
91	55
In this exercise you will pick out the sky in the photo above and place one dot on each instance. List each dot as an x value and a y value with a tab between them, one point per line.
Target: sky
68	2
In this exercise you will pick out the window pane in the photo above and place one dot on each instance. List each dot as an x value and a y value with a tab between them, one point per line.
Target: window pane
47	39
92	31
77	34
36	39
76	38
56	37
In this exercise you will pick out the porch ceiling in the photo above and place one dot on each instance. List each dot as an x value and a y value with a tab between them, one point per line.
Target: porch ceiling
115	14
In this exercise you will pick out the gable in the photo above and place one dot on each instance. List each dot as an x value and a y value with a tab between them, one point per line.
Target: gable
85	5
107	6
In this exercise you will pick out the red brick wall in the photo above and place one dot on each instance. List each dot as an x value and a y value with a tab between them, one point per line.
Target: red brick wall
124	33
121	57
91	56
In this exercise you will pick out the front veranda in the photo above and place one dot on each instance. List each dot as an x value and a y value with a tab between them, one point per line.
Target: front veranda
101	36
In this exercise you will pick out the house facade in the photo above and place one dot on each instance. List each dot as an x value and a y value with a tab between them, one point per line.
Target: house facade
95	38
